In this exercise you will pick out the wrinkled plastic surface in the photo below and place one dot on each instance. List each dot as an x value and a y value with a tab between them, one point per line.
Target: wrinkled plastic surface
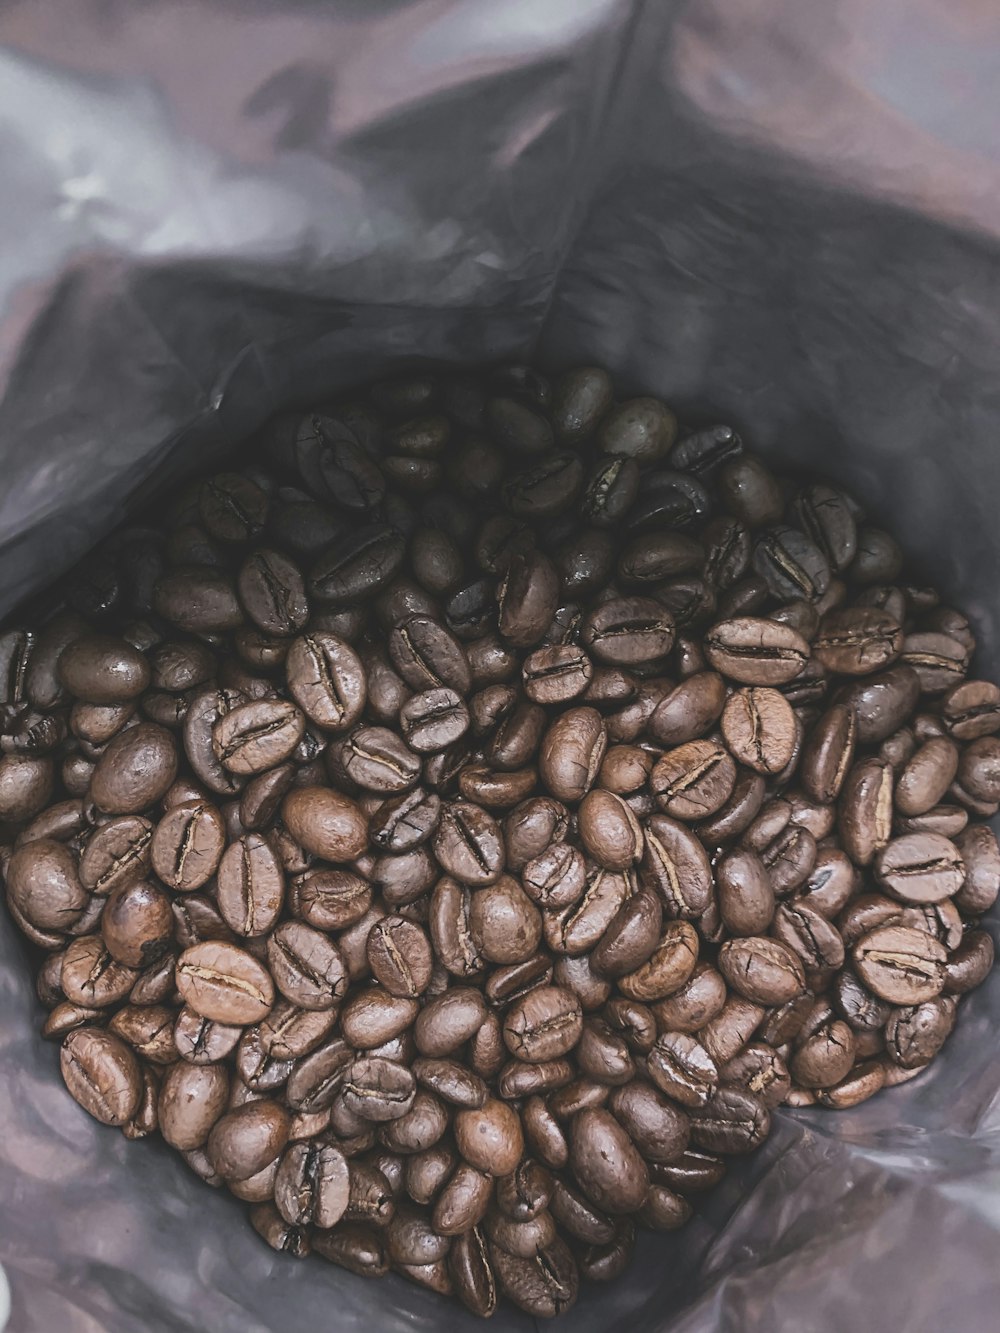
776	214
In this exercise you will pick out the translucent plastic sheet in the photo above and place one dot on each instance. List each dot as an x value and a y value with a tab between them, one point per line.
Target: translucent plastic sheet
783	215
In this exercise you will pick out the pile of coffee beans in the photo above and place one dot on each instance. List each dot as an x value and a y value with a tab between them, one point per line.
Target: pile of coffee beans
458	828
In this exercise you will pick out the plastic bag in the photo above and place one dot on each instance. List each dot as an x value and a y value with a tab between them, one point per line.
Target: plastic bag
777	215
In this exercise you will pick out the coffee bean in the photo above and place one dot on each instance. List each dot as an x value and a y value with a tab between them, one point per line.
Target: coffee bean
135	770
571	754
732	1121
901	965
628	631
606	1163
224	983
325	823
326	679
137	924
609	830
306	965
469	844
920	868
449	1020
250	888
101	1074
756	652
759	728
765	971
490	1138
187	845
694	780
865	818
825	1057
399	954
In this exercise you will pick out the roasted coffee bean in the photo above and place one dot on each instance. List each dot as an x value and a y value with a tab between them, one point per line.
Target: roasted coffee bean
669	499
355	564
808	935
694	780
187	845
857	641
763	970
544	1025
920	868
926	776
490	1137
326	679
900	964
507	985
883	702
102	1074
628	631
971	709
325	823
306	965
732	1121
759	728
676	866
681	1067
759	1070
399	954
825	1057
865	818
191	1100
92	977
224	983
571	753
557	673
726	1034
828	753
469	844
606	1162
577	928
134	771
44	886
137	924
745	892
791	563
980	854
970	963
756	652
609	831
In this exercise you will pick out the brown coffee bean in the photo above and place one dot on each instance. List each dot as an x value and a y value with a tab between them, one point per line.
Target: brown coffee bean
578	928
251	886
469	844
135	770
865	818
902	965
627	631
609	831
187	845
655	1125
306	965
756	652
631	938
763	970
571	753
733	1121
490	1138
759	728
694	780
745	892
449	1020
101	1074
825	1057
257	735
371	1017
676	866
681	1067
606	1163
248	1139
399	955
91	976
544	1025
326	823
858	640
969	965
44	886
224	983
920	868
556	878
137	924
191	1100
